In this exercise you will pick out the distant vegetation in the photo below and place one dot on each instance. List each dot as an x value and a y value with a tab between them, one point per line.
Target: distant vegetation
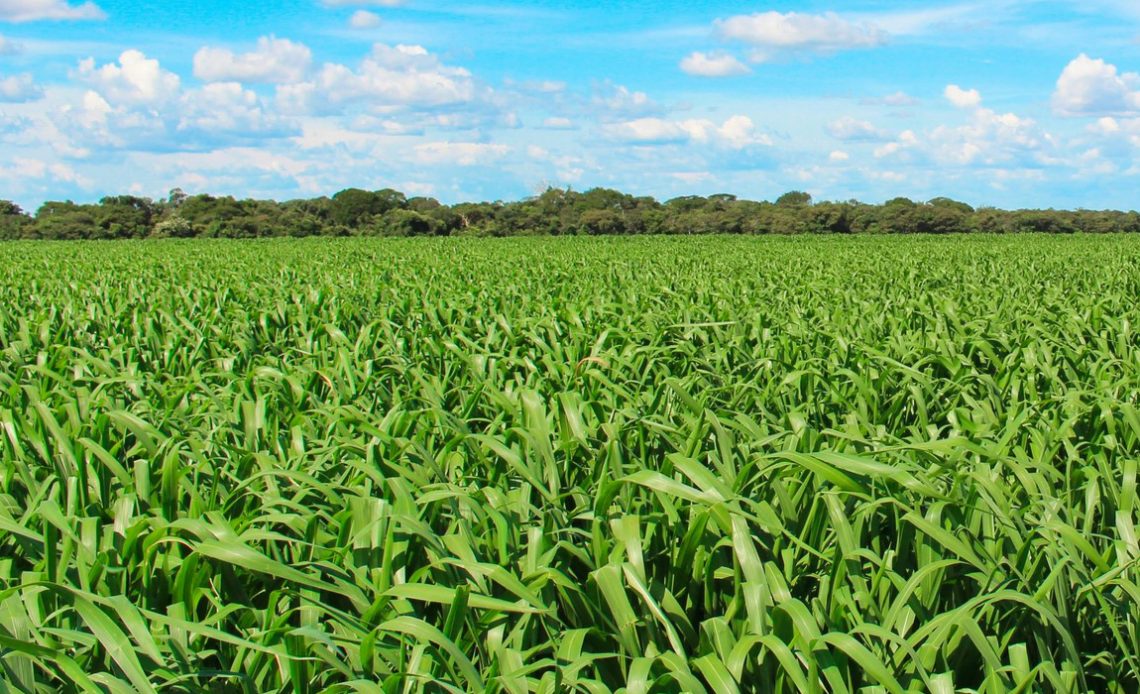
355	212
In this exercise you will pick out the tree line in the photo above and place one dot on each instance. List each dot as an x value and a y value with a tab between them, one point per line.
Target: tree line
600	211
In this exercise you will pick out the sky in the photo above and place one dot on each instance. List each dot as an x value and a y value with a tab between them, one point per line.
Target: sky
1007	103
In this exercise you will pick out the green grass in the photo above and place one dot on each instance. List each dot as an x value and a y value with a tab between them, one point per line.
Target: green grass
647	465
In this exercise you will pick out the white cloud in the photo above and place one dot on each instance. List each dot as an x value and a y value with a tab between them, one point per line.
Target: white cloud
713	65
1106	126
772	33
244	162
906	140
1092	162
416	187
692	177
9	47
19	88
388	77
839	156
1116	136
96	122
542	87
135	105
556	123
275	61
898	99
850	129
136	79
33	10
962	98
622	101
1093	87
25	168
364	135
648	131
363	19
990	139
459	153
914	22
738	132
94	109
226	108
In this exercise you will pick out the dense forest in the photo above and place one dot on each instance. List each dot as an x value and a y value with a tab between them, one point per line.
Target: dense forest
356	212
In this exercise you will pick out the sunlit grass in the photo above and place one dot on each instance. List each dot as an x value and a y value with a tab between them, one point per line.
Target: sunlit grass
771	465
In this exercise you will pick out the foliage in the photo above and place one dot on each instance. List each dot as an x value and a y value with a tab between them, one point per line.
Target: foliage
13	221
771	465
555	212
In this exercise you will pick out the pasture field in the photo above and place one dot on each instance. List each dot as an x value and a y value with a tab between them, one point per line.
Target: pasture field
540	465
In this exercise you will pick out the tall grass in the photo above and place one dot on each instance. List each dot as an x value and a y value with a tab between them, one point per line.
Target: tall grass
767	465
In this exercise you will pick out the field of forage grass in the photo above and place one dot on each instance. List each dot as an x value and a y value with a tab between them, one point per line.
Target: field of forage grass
592	465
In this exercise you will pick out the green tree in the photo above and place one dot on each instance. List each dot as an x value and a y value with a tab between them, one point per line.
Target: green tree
356	208
13	222
794	198
173	227
406	223
124	216
65	221
602	222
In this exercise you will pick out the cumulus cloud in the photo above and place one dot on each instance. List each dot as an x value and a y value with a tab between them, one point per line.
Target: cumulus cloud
713	65
1116	137
135	79
388	77
738	132
649	131
275	61
618	100
135	105
773	33
23	168
1106	125
225	167
987	138
838	156
226	107
459	153
1090	87
98	123
33	10
906	140
851	129
363	19
18	89
990	138
364	135
963	98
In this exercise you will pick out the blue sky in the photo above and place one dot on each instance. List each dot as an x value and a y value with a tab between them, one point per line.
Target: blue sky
1011	103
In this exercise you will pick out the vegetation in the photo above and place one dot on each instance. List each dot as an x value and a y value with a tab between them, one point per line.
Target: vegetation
770	465
356	212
